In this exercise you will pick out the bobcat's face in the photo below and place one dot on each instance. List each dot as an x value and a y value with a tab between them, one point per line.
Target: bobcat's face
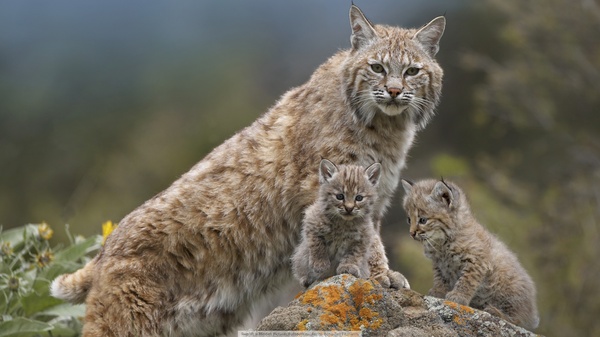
392	71
349	204
396	85
426	230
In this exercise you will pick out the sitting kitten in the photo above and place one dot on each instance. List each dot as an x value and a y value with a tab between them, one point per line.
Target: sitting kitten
338	229
470	265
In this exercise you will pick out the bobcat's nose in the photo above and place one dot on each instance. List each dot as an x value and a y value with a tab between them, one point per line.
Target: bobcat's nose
349	209
394	92
413	234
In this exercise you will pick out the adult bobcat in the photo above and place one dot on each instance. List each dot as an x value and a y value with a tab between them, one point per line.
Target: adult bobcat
192	260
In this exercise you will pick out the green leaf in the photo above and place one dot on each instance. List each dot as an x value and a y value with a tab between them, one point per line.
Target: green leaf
17	235
65	310
33	303
78	250
23	327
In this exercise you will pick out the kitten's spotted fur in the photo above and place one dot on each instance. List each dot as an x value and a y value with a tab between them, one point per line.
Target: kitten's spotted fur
338	229
192	260
470	265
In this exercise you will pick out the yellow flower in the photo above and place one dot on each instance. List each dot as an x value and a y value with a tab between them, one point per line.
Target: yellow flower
7	249
107	228
45	231
44	258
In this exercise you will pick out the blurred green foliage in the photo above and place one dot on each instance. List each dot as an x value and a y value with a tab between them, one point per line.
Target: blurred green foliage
27	266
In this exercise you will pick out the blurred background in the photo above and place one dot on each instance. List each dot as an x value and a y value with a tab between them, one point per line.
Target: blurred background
104	104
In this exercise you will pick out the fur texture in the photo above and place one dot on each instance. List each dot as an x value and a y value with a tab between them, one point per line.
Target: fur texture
191	260
470	265
338	229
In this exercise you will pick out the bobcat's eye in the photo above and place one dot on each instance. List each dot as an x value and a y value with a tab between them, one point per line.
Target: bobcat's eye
358	198
339	196
412	71
376	67
408	220
422	221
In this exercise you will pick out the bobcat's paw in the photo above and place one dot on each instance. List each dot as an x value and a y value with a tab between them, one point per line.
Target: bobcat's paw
391	279
320	266
397	280
349	269
457	298
307	281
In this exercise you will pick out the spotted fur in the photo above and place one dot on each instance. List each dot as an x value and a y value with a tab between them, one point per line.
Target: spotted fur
192	260
338	230
470	265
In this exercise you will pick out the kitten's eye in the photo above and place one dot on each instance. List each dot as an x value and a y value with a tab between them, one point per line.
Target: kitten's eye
412	71
376	67
358	198
408	220
422	221
339	196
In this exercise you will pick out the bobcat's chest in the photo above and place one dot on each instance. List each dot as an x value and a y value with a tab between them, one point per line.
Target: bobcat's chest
450	266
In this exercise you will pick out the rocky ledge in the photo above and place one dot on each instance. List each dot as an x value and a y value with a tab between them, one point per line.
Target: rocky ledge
345	303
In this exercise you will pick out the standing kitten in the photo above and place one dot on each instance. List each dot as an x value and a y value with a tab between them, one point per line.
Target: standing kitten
192	260
470	265
338	229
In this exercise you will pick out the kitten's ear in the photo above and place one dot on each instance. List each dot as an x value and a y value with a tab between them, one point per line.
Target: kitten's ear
443	193
326	170
362	29
373	173
429	36
407	185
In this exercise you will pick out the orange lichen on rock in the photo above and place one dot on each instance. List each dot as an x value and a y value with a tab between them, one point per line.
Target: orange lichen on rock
458	320
344	306
459	307
366	318
302	325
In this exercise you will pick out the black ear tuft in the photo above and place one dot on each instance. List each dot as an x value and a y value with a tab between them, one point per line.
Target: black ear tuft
443	192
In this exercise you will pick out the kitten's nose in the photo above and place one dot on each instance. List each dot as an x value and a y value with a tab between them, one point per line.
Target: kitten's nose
413	234
394	92
349	209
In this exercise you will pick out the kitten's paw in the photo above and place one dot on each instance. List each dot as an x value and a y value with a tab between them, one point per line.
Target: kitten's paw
391	279
320	266
307	281
496	312
457	298
397	280
349	269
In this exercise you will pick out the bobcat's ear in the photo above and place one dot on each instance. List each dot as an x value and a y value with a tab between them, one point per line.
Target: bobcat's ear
407	185
373	173
362	29
443	193
326	170
429	36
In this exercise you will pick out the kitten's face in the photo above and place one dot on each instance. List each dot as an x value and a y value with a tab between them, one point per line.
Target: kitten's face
395	72
348	192
425	227
429	206
348	201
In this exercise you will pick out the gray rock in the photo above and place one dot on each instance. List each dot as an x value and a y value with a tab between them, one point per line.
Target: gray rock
344	302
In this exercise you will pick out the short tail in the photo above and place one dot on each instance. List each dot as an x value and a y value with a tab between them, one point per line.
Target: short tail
74	287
